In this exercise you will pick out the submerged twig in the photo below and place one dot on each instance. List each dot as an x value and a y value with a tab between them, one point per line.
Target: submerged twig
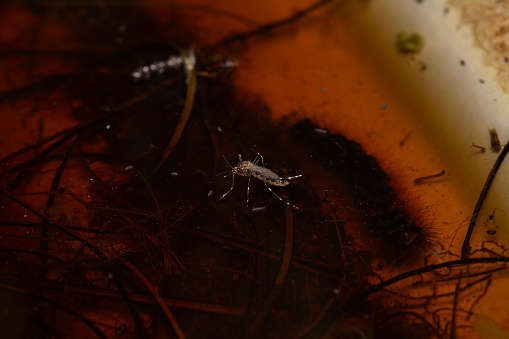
465	249
427	269
190	63
280	278
321	327
141	331
168	254
150	288
338	232
82	318
273	25
455	307
50	201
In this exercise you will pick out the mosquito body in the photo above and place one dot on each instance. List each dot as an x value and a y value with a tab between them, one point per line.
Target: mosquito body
252	169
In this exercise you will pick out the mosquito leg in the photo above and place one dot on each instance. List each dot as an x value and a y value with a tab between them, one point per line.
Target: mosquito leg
270	189
295	176
257	159
261	158
247	198
233	184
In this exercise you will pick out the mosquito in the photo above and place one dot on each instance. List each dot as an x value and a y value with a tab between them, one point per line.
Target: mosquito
252	169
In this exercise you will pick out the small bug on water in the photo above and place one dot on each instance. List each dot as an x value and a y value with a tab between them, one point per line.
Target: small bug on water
496	145
252	169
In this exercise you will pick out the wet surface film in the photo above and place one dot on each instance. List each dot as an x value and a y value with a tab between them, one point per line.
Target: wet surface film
121	131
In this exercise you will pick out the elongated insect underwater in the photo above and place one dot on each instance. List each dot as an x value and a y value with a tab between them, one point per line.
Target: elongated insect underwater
252	169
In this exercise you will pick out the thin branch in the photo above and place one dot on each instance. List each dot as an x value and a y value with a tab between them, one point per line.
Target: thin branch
87	322
268	27
261	315
190	62
465	249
